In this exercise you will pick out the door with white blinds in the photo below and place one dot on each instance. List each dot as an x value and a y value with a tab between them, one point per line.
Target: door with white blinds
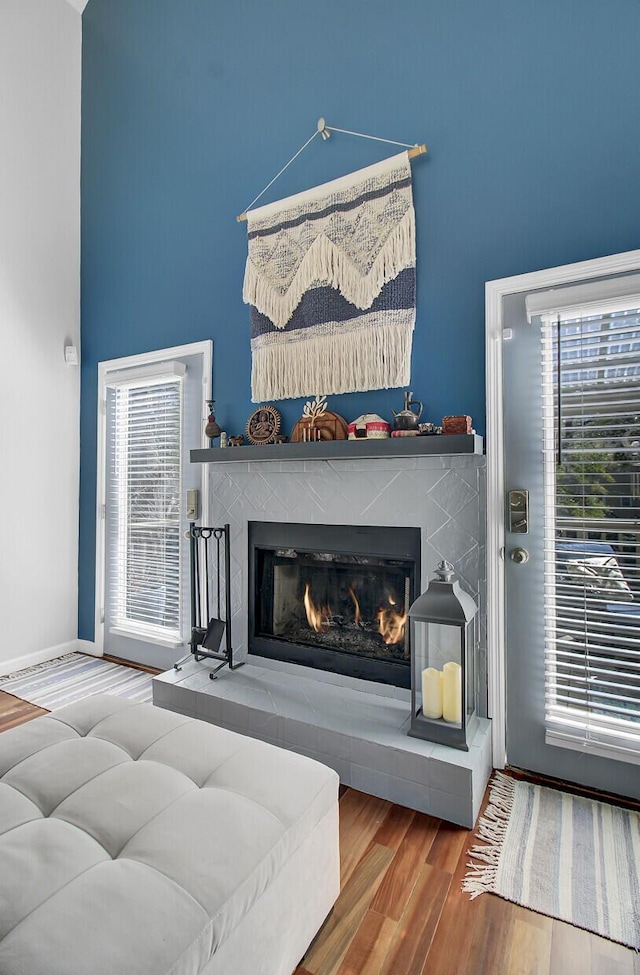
572	439
153	416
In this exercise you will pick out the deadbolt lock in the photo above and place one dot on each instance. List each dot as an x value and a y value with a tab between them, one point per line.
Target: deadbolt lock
519	512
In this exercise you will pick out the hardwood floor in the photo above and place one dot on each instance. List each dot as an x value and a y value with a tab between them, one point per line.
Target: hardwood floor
402	912
14	711
130	663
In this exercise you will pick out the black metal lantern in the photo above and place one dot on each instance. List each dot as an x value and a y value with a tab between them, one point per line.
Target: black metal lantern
442	626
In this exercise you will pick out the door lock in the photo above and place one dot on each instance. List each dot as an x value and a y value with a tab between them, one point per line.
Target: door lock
193	504
519	555
519	512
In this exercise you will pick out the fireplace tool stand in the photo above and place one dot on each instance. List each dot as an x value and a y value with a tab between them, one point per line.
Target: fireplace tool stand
207	631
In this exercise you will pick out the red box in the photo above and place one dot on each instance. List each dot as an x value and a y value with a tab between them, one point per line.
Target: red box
456	424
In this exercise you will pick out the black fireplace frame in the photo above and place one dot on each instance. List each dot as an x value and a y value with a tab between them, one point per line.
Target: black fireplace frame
400	543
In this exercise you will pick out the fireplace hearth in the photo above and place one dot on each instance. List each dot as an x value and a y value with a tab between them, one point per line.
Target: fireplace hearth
359	730
333	597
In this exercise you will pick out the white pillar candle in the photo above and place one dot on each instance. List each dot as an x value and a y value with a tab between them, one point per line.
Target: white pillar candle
432	693
452	692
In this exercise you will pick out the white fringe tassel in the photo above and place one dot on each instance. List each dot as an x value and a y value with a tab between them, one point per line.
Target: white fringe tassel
36	668
376	357
326	264
492	828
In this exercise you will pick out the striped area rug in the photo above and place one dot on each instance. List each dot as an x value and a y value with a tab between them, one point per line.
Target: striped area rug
74	677
561	855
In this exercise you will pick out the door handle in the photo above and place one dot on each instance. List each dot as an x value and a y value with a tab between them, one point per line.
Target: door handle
519	555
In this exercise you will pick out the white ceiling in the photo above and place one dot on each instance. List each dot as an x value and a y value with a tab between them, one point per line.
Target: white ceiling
78	4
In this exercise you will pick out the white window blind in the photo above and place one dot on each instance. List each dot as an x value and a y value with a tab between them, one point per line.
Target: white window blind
143	504
591	452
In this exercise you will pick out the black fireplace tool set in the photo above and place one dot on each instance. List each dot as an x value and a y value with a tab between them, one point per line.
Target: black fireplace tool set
210	555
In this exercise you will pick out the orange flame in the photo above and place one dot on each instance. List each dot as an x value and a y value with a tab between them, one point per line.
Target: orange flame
391	624
317	616
356	604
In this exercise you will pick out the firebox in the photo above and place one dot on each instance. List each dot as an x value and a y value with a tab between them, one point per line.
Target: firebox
334	597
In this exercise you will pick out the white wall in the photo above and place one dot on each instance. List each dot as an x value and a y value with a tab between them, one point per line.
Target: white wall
40	65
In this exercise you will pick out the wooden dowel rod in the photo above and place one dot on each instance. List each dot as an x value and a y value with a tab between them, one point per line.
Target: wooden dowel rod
411	153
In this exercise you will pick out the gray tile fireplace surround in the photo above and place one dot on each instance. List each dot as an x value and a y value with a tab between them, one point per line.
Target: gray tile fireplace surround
357	727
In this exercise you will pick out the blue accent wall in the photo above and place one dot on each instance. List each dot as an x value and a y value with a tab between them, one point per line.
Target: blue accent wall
530	110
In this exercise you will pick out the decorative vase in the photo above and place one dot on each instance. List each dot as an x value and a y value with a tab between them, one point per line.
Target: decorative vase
212	429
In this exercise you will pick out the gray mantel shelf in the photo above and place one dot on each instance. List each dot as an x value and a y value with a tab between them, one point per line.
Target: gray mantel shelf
344	449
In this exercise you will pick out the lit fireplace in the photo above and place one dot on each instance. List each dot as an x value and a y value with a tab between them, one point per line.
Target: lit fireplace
391	621
388	621
333	597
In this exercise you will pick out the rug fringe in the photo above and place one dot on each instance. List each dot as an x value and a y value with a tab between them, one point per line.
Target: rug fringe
26	671
485	859
74	677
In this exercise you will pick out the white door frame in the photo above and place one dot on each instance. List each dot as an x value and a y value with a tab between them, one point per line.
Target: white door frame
205	349
495	292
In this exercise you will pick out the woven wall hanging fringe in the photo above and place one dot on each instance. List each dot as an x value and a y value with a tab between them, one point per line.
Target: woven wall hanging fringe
330	278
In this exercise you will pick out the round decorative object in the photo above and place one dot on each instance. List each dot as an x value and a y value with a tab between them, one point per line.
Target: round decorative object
369	426
330	426
263	425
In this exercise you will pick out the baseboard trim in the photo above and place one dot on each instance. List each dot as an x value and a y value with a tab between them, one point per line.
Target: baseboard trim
48	653
574	788
38	657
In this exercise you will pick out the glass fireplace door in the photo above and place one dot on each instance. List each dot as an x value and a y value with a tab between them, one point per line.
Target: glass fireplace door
334	597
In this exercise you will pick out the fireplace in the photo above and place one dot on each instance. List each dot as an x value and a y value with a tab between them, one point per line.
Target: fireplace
334	597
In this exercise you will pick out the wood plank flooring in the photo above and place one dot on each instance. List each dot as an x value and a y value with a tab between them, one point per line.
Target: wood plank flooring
402	912
14	711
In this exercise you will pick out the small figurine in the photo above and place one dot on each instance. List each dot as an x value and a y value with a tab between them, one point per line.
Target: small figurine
429	429
236	441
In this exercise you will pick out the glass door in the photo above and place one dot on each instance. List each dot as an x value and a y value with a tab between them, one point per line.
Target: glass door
572	444
153	417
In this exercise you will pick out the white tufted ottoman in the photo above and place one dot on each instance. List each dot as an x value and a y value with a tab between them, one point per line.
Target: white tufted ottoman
135	841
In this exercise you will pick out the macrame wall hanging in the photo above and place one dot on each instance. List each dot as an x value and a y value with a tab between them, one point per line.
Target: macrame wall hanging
330	279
